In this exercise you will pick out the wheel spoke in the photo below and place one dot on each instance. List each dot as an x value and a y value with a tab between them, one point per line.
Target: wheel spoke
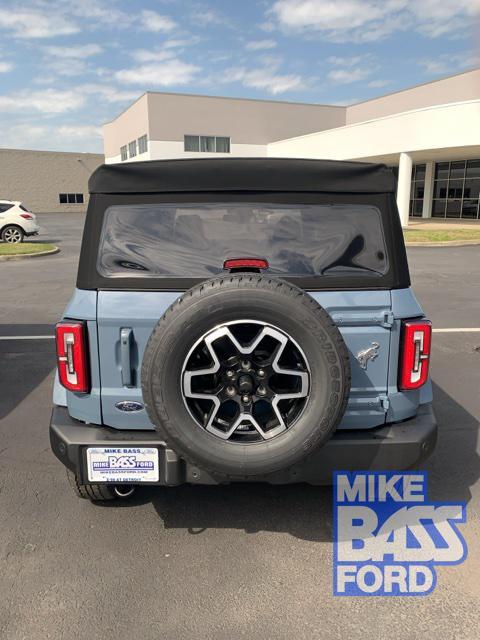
303	375
246	417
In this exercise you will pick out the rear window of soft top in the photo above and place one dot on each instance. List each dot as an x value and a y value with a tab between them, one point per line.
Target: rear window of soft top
193	240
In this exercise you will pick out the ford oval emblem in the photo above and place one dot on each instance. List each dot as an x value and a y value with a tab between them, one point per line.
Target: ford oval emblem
129	406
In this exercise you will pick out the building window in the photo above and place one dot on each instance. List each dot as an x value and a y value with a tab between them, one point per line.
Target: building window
417	190
207	144
132	149
456	189
191	143
222	145
124	153
70	198
142	144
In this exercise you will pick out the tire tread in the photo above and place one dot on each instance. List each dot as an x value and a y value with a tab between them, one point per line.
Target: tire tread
92	492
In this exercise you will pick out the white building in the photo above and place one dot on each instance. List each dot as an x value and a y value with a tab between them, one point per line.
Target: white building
431	132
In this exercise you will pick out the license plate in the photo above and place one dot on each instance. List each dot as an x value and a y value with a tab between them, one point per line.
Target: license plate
122	464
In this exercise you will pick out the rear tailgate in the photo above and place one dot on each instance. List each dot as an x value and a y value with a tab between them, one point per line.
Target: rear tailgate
363	317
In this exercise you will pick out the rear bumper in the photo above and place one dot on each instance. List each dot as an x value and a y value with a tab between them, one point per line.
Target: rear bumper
394	447
30	227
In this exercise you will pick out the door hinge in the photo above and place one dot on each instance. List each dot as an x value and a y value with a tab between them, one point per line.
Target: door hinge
388	319
384	403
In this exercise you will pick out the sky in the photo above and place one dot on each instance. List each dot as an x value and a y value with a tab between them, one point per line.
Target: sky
68	66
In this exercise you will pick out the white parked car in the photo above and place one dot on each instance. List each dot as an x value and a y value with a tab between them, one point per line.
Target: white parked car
16	221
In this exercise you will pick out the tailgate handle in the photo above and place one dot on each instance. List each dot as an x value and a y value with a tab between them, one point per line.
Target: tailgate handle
125	350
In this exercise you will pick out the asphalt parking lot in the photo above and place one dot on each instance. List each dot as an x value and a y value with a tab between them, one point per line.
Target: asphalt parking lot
212	562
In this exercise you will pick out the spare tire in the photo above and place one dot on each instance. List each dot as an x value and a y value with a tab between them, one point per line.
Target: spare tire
245	375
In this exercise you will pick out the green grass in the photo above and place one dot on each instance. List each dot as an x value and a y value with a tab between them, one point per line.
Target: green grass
440	235
24	248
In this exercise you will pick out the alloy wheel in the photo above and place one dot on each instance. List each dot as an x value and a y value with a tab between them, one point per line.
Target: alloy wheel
12	235
245	381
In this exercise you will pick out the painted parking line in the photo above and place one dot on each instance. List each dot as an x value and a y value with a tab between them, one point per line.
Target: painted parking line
445	330
27	337
460	330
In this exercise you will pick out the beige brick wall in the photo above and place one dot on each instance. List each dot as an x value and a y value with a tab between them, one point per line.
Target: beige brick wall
38	177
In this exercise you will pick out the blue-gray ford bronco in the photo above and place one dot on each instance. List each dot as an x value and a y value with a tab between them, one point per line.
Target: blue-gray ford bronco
243	319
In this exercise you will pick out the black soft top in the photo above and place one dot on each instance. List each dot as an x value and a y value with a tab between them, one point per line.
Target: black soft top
258	180
242	174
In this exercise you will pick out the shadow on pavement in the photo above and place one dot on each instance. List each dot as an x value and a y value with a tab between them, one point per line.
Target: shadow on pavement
305	511
24	364
302	510
455	465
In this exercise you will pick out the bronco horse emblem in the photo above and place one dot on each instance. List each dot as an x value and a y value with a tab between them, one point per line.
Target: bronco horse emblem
368	354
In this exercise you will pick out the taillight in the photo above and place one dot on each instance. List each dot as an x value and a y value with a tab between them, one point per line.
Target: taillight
27	216
415	353
242	263
72	361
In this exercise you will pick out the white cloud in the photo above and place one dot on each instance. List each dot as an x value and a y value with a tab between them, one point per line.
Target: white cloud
48	101
168	50
327	15
351	68
71	61
79	52
108	93
449	63
206	16
151	55
369	20
79	131
437	66
177	43
26	135
31	23
5	67
267	26
347	76
67	67
163	74
266	75
260	45
96	11
345	62
264	78
153	21
378	84
439	17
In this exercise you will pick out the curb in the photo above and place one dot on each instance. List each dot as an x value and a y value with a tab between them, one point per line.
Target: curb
20	256
444	243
